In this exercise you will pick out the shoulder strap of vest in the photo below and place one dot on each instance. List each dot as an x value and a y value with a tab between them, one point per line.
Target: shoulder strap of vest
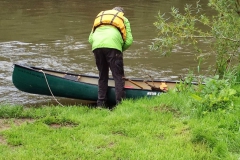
115	15
101	17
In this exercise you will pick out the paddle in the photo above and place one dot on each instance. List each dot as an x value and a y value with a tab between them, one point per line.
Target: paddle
126	79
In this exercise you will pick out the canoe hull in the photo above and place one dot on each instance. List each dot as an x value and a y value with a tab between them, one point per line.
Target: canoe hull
34	81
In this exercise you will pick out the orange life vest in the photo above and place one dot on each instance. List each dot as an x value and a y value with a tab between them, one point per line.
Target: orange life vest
111	17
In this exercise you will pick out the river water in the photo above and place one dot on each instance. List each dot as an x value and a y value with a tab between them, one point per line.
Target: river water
54	34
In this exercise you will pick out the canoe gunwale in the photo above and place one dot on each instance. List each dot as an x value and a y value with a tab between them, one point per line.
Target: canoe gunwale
41	70
91	76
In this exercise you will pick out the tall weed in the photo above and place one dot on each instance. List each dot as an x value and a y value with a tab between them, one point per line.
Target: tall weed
216	94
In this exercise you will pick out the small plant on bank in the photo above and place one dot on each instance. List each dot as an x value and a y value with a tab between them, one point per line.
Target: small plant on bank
216	94
185	84
209	94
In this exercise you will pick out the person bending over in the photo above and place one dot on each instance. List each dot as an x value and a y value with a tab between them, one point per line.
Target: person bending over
110	36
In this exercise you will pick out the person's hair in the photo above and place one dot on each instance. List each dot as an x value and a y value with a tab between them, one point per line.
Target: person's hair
120	9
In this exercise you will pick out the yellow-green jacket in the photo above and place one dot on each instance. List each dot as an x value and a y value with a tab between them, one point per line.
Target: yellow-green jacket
107	36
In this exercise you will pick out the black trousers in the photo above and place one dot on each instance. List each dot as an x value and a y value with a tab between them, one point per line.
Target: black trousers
109	58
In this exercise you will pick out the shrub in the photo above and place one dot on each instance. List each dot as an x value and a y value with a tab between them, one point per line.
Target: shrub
216	94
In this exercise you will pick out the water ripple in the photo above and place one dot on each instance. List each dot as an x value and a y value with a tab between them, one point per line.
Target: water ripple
55	36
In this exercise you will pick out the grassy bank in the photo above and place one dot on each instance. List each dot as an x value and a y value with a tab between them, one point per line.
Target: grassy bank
164	127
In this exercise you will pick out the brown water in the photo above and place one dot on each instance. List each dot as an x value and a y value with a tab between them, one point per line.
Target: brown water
54	34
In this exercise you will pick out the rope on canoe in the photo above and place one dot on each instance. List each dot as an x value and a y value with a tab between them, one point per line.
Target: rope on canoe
50	89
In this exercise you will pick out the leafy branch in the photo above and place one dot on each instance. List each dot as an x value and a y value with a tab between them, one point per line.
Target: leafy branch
221	30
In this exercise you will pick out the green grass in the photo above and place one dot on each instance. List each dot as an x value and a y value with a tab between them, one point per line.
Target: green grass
165	127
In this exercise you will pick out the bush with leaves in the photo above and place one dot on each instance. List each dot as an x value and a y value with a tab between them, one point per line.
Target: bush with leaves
216	94
221	31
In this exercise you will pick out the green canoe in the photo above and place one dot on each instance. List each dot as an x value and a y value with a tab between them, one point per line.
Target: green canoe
37	80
